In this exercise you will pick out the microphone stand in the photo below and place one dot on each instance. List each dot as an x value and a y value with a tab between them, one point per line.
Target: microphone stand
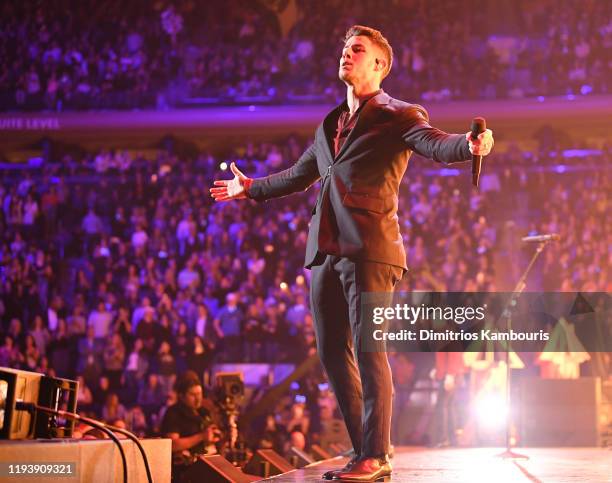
516	293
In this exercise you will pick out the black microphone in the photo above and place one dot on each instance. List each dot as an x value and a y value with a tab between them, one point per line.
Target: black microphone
541	238
479	125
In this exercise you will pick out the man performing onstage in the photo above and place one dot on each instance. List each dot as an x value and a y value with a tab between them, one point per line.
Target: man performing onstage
360	153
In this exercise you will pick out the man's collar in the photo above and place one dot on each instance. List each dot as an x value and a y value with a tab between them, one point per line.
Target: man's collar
372	95
379	97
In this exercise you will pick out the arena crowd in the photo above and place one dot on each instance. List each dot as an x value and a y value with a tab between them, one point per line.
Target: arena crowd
87	55
117	269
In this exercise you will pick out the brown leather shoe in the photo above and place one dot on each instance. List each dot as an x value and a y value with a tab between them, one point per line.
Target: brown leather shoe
329	475
367	469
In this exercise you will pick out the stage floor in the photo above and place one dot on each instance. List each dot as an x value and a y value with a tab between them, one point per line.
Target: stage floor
554	465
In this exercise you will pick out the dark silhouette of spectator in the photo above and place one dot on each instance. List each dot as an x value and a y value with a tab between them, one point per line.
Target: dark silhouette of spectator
181	346
84	396
61	351
77	323
136	368
123	327
101	320
15	330
40	334
31	353
163	330
147	331
200	359
228	326
114	358
89	359
145	305
272	436
112	410
10	354
137	422
165	367
100	390
151	394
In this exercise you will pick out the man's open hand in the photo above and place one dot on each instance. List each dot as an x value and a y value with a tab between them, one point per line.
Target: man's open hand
483	144
232	189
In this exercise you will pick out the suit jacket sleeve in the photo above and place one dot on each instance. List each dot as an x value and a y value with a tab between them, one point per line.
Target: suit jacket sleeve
429	141
298	177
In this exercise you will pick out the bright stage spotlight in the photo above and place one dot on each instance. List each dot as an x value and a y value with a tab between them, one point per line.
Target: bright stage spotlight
492	410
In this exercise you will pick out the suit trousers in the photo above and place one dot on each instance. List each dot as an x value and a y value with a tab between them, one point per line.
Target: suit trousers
361	380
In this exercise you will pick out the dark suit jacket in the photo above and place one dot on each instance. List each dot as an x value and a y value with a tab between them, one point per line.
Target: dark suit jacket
356	212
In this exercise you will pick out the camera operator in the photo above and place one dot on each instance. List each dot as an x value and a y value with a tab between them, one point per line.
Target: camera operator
188	424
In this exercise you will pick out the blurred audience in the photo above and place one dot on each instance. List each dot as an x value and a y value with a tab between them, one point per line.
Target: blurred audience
214	283
60	55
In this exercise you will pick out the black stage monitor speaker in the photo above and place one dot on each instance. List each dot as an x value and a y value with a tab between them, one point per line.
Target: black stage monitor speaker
337	449
267	462
319	453
215	469
56	393
33	387
299	458
22	386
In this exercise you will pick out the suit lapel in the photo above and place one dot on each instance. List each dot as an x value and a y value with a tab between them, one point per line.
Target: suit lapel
330	125
365	118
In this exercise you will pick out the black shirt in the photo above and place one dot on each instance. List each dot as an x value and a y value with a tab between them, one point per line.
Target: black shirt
182	420
346	123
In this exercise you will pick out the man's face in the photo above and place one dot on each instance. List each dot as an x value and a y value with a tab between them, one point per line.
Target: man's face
358	61
193	397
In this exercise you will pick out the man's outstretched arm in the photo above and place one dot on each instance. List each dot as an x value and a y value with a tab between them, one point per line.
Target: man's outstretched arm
438	145
298	177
